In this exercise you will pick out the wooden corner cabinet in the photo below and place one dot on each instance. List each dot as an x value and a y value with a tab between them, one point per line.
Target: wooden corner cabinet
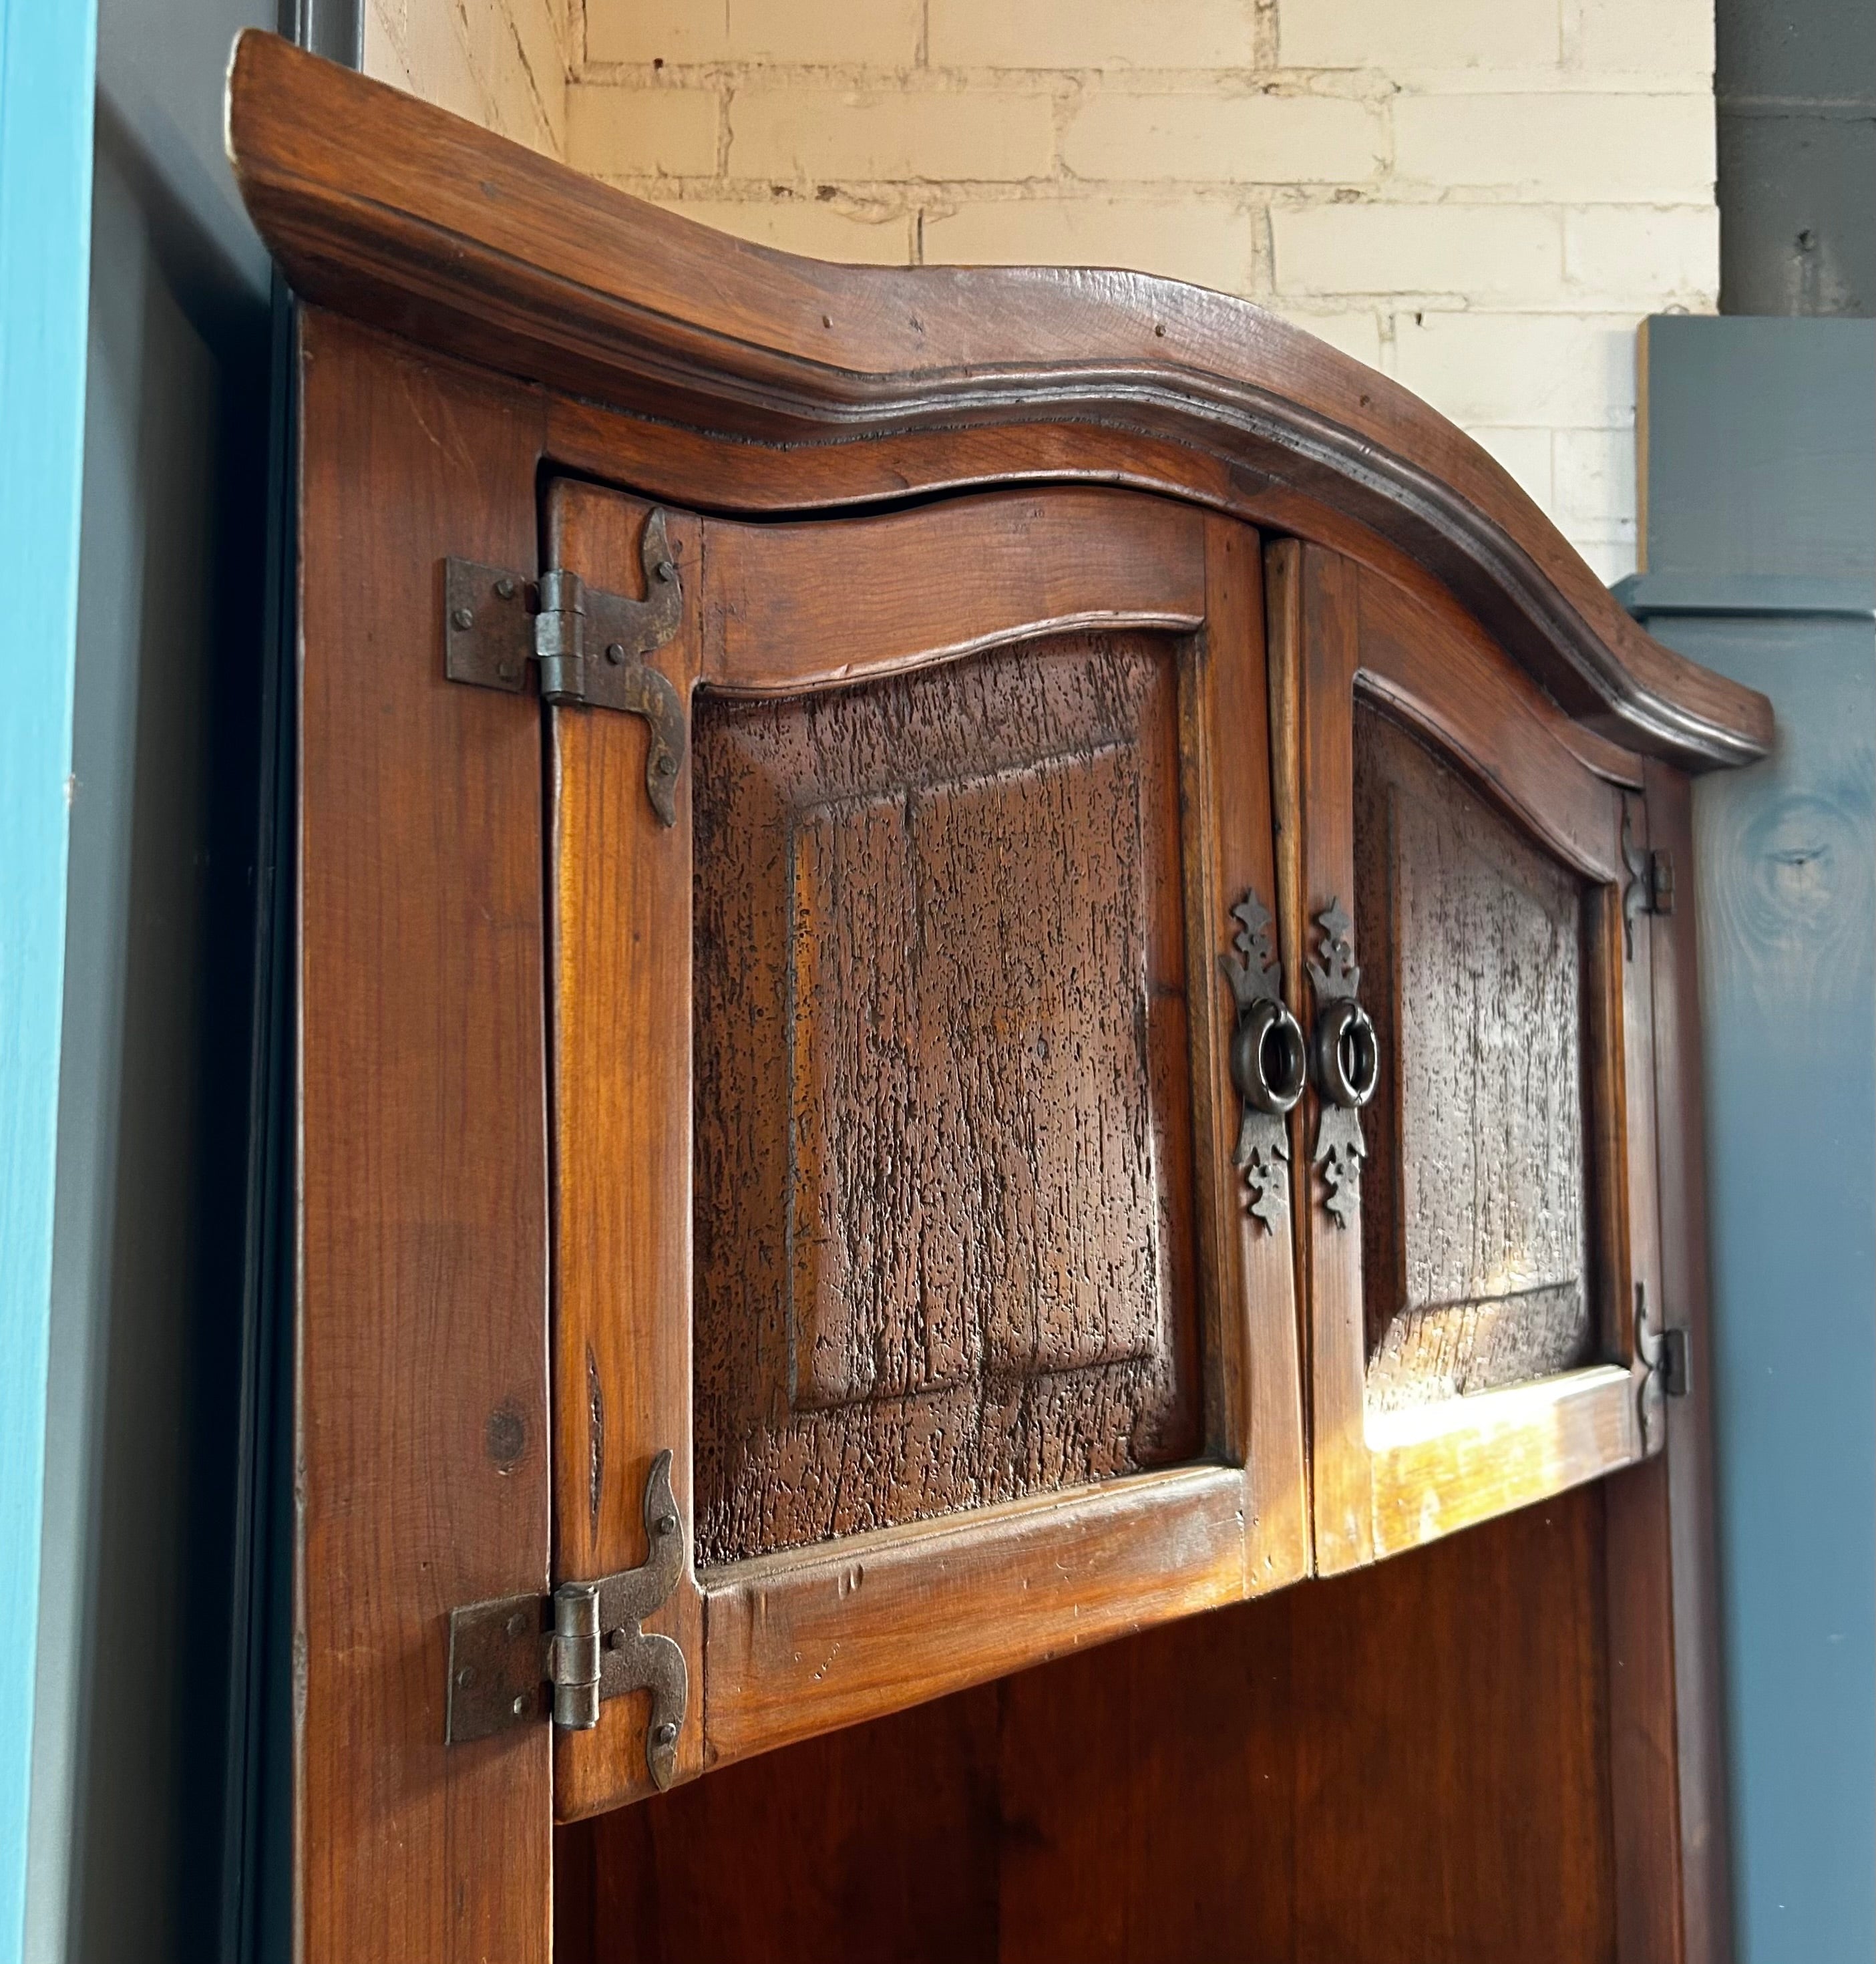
987	958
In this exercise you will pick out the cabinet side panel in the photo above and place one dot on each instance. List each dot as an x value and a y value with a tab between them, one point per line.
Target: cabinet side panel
1673	1896
422	1421
1706	1891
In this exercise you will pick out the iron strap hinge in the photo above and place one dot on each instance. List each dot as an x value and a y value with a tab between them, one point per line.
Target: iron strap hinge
1651	886
1666	1359
525	1658
589	646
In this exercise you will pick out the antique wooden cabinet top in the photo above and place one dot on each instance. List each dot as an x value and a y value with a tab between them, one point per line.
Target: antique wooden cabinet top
397	213
1107	1036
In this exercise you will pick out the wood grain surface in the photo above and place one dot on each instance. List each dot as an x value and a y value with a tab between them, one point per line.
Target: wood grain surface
1493	835
1409	1763
1667	1747
944	1213
1314	600
422	1438
803	1643
954	1255
621	885
389	208
794	605
1475	1272
1253	1364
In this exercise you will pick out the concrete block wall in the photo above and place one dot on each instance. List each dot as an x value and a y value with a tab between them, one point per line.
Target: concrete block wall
1481	198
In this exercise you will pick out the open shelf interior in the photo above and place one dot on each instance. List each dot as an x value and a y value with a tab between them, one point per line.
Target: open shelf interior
1408	1762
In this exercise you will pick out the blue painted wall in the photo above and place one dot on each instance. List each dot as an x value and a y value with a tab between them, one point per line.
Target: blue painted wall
1761	545
47	53
132	1807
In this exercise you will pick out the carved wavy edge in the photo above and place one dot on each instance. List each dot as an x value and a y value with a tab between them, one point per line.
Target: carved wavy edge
399	214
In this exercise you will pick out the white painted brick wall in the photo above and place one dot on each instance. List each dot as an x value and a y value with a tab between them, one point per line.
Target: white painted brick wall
1482	197
502	63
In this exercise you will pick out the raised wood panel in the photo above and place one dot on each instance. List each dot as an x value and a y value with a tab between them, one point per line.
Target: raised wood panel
1476	1244
943	1210
421	1470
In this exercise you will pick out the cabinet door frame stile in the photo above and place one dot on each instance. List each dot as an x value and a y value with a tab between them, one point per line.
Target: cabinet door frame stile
619	886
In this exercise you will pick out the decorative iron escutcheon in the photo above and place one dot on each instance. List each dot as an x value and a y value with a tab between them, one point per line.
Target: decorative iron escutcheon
1346	1059
583	1644
1268	1062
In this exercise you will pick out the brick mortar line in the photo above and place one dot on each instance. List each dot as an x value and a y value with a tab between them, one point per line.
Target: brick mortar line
1374	85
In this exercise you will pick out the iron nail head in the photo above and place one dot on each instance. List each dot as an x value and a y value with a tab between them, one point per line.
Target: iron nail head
615	652
667	1734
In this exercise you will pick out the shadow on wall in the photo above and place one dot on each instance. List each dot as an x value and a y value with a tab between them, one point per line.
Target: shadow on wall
139	1644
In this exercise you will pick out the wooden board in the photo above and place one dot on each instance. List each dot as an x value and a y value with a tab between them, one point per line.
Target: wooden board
1069	557
422	1442
620	883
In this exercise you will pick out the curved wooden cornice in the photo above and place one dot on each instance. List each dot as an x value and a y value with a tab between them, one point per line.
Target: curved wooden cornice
384	208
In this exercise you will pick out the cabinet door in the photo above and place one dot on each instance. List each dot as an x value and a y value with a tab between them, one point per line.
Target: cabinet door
1461	921
893	1117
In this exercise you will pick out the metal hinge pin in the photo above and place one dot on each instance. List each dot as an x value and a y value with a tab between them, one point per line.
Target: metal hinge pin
585	1643
492	634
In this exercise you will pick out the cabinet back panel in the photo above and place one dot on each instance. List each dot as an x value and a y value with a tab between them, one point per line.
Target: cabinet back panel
1476	1244
1407	1762
943	1207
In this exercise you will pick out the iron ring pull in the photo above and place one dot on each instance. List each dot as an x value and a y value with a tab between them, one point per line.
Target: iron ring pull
1347	1055
1269	1059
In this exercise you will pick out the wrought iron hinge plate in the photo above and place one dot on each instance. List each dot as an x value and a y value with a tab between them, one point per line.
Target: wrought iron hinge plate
525	1658
1667	1363
1650	887
589	646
